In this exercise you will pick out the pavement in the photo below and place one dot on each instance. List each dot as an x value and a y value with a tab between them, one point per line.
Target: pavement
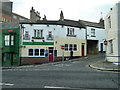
104	66
99	64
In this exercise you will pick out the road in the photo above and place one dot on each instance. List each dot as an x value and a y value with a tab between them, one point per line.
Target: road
69	75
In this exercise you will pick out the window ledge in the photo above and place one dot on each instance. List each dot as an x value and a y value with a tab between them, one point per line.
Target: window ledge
49	38
93	36
37	37
71	35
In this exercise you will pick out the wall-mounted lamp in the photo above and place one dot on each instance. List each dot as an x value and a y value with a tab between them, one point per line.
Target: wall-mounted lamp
56	42
32	40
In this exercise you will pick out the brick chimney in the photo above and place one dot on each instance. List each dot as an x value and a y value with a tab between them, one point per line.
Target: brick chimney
61	16
101	21
34	16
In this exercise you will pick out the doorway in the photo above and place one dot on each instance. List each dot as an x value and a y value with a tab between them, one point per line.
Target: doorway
51	54
83	49
101	47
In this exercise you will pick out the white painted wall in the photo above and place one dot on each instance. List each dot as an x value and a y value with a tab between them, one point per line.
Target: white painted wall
99	35
60	35
57	31
113	33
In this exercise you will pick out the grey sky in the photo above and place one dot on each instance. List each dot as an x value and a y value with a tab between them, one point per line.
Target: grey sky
89	10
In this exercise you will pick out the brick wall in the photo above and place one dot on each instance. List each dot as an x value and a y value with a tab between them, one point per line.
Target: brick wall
40	60
33	60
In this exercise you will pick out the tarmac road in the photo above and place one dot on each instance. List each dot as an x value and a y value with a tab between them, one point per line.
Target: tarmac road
66	75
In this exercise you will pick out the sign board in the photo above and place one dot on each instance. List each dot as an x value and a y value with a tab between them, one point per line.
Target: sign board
105	42
62	47
10	30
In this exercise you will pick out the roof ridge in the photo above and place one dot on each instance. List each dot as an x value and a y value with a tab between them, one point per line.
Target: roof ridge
20	15
89	21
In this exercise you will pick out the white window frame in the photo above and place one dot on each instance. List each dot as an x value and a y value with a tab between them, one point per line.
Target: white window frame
49	34
67	47
7	40
35	32
34	52
92	32
26	35
28	52
72	47
12	40
38	33
70	31
111	46
38	52
109	22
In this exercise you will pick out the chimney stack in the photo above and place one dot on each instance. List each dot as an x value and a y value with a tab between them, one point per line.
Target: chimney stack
34	16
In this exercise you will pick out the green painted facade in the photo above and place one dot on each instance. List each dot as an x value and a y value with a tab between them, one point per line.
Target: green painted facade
38	43
10	53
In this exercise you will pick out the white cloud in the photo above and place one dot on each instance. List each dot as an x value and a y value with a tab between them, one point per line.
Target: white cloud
72	9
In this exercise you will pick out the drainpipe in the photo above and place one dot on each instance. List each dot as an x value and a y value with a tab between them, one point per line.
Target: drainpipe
20	40
86	40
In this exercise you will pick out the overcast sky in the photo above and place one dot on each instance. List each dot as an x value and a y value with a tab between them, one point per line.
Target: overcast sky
89	10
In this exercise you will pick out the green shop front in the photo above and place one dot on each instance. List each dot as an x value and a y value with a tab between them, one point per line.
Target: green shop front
10	47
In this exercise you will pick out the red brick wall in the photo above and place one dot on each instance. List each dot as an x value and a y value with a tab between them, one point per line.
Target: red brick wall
33	60
39	60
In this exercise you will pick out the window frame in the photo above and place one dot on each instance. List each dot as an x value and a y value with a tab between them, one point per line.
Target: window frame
35	52
93	32
71	32
42	52
111	47
38	32
7	39
29	52
109	21
12	41
67	49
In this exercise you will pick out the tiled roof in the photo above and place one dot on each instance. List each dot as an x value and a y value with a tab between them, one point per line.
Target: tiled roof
92	24
65	22
20	16
9	25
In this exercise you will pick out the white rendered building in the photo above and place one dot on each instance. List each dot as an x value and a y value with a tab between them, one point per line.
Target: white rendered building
95	37
112	27
41	40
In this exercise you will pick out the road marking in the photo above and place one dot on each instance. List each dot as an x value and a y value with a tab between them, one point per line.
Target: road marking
53	87
74	62
6	84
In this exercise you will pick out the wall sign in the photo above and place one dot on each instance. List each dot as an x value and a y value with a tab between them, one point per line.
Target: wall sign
10	30
62	47
105	42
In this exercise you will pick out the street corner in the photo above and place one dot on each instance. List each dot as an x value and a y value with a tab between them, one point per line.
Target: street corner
104	66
